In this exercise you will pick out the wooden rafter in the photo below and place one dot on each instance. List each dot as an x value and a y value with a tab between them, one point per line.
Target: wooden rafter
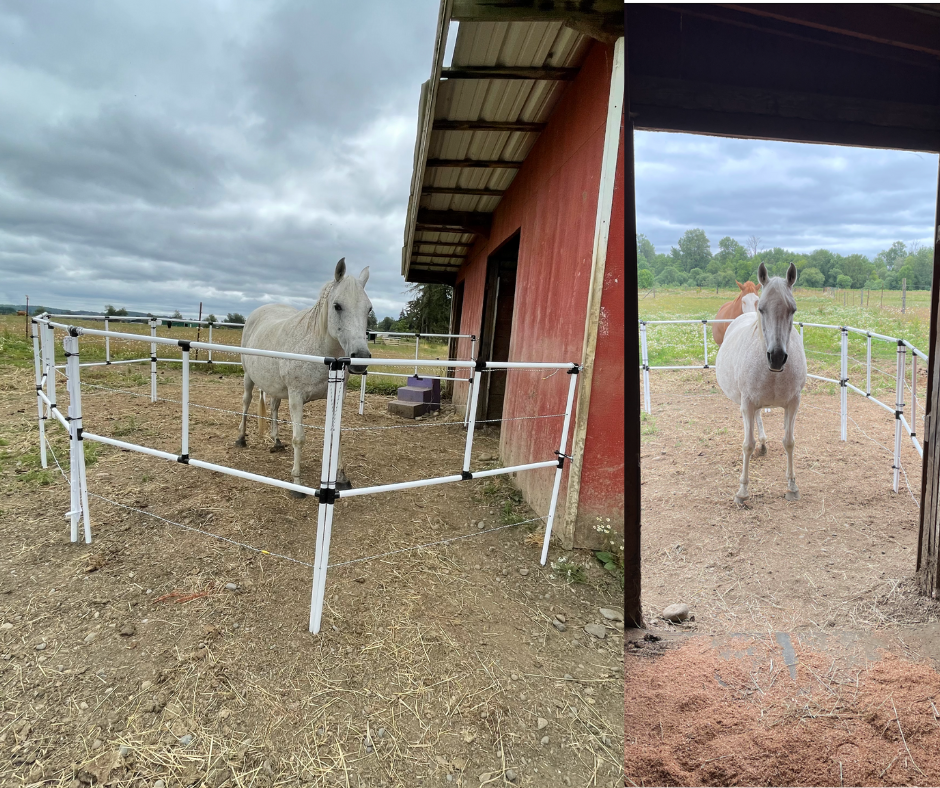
458	190
550	73
489	164
488	125
464	221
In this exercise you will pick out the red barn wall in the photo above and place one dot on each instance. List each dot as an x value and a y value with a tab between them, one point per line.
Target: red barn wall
553	202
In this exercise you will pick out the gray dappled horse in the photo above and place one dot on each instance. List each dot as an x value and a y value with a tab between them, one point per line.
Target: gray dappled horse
761	364
335	327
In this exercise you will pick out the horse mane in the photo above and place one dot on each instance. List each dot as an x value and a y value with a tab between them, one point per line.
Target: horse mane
319	313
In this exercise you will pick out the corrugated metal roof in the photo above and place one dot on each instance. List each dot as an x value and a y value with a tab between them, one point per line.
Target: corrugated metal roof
461	176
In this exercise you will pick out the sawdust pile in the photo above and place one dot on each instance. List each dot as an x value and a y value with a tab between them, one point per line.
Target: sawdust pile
695	717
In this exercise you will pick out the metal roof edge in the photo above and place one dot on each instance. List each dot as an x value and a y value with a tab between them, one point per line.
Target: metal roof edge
424	130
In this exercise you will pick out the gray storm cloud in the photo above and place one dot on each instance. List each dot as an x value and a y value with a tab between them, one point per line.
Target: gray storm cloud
800	197
157	156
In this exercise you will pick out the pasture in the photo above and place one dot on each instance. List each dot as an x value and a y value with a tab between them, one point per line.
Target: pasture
170	650
805	619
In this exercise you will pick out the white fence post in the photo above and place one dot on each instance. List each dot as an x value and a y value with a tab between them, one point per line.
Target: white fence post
899	411
362	392
77	481
913	394
209	358
37	364
328	472
472	420
417	343
562	445
47	334
843	389
107	344
184	450
705	340
646	368
153	361
868	378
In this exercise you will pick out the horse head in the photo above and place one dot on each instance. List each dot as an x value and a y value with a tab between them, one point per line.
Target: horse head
775	314
749	302
348	316
747	287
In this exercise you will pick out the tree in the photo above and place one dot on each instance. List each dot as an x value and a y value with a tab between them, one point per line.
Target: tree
386	323
753	245
212	319
110	311
844	282
644	279
428	312
644	250
177	315
372	321
812	277
857	267
694	251
234	317
894	256
671	276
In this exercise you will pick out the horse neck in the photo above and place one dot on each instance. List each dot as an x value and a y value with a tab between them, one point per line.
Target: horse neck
315	332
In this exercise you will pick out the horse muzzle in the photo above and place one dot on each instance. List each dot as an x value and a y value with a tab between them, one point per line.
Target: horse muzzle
776	359
358	369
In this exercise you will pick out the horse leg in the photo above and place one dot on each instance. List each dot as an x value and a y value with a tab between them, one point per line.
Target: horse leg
275	405
246	404
748	412
761	436
295	402
789	441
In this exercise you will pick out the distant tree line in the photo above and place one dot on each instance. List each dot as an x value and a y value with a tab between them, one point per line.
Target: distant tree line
692	264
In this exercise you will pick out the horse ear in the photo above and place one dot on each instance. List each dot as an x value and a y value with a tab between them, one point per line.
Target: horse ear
762	274
364	276
791	276
740	286
340	269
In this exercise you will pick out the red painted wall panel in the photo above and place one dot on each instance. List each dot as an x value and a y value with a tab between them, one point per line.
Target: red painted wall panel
553	200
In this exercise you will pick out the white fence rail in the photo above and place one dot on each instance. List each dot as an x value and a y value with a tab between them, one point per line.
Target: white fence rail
43	331
901	422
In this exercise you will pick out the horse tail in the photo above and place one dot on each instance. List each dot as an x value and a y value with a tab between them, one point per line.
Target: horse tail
262	413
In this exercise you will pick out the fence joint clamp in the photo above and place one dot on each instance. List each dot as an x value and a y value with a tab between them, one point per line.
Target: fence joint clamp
465	475
327	495
479	365
184	344
183	458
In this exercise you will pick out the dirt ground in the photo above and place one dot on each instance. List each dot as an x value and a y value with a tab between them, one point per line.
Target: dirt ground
719	700
129	661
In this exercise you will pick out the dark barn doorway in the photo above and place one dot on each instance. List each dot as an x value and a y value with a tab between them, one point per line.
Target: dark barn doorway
498	304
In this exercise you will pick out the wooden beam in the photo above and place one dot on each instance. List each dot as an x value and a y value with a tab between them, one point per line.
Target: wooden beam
464	221
545	73
602	19
928	540
489	164
458	190
770	127
422	276
488	125
891	25
459	244
686	94
416	253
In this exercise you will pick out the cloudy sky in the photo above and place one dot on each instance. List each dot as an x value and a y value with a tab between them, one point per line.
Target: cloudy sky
800	197
153	155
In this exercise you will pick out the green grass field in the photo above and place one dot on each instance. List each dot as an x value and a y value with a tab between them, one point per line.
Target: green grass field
674	345
17	350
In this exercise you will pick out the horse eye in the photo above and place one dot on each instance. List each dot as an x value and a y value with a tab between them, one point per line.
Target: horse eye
337	307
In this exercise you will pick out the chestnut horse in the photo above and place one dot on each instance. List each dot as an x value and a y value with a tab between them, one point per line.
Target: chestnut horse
731	310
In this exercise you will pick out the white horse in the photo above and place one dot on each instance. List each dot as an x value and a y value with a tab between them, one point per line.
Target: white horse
761	364
335	327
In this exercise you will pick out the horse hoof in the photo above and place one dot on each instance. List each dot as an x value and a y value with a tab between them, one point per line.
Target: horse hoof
241	443
793	495
346	485
296	494
761	450
277	447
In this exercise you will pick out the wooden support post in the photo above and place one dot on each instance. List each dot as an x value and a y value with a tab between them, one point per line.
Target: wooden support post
928	540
